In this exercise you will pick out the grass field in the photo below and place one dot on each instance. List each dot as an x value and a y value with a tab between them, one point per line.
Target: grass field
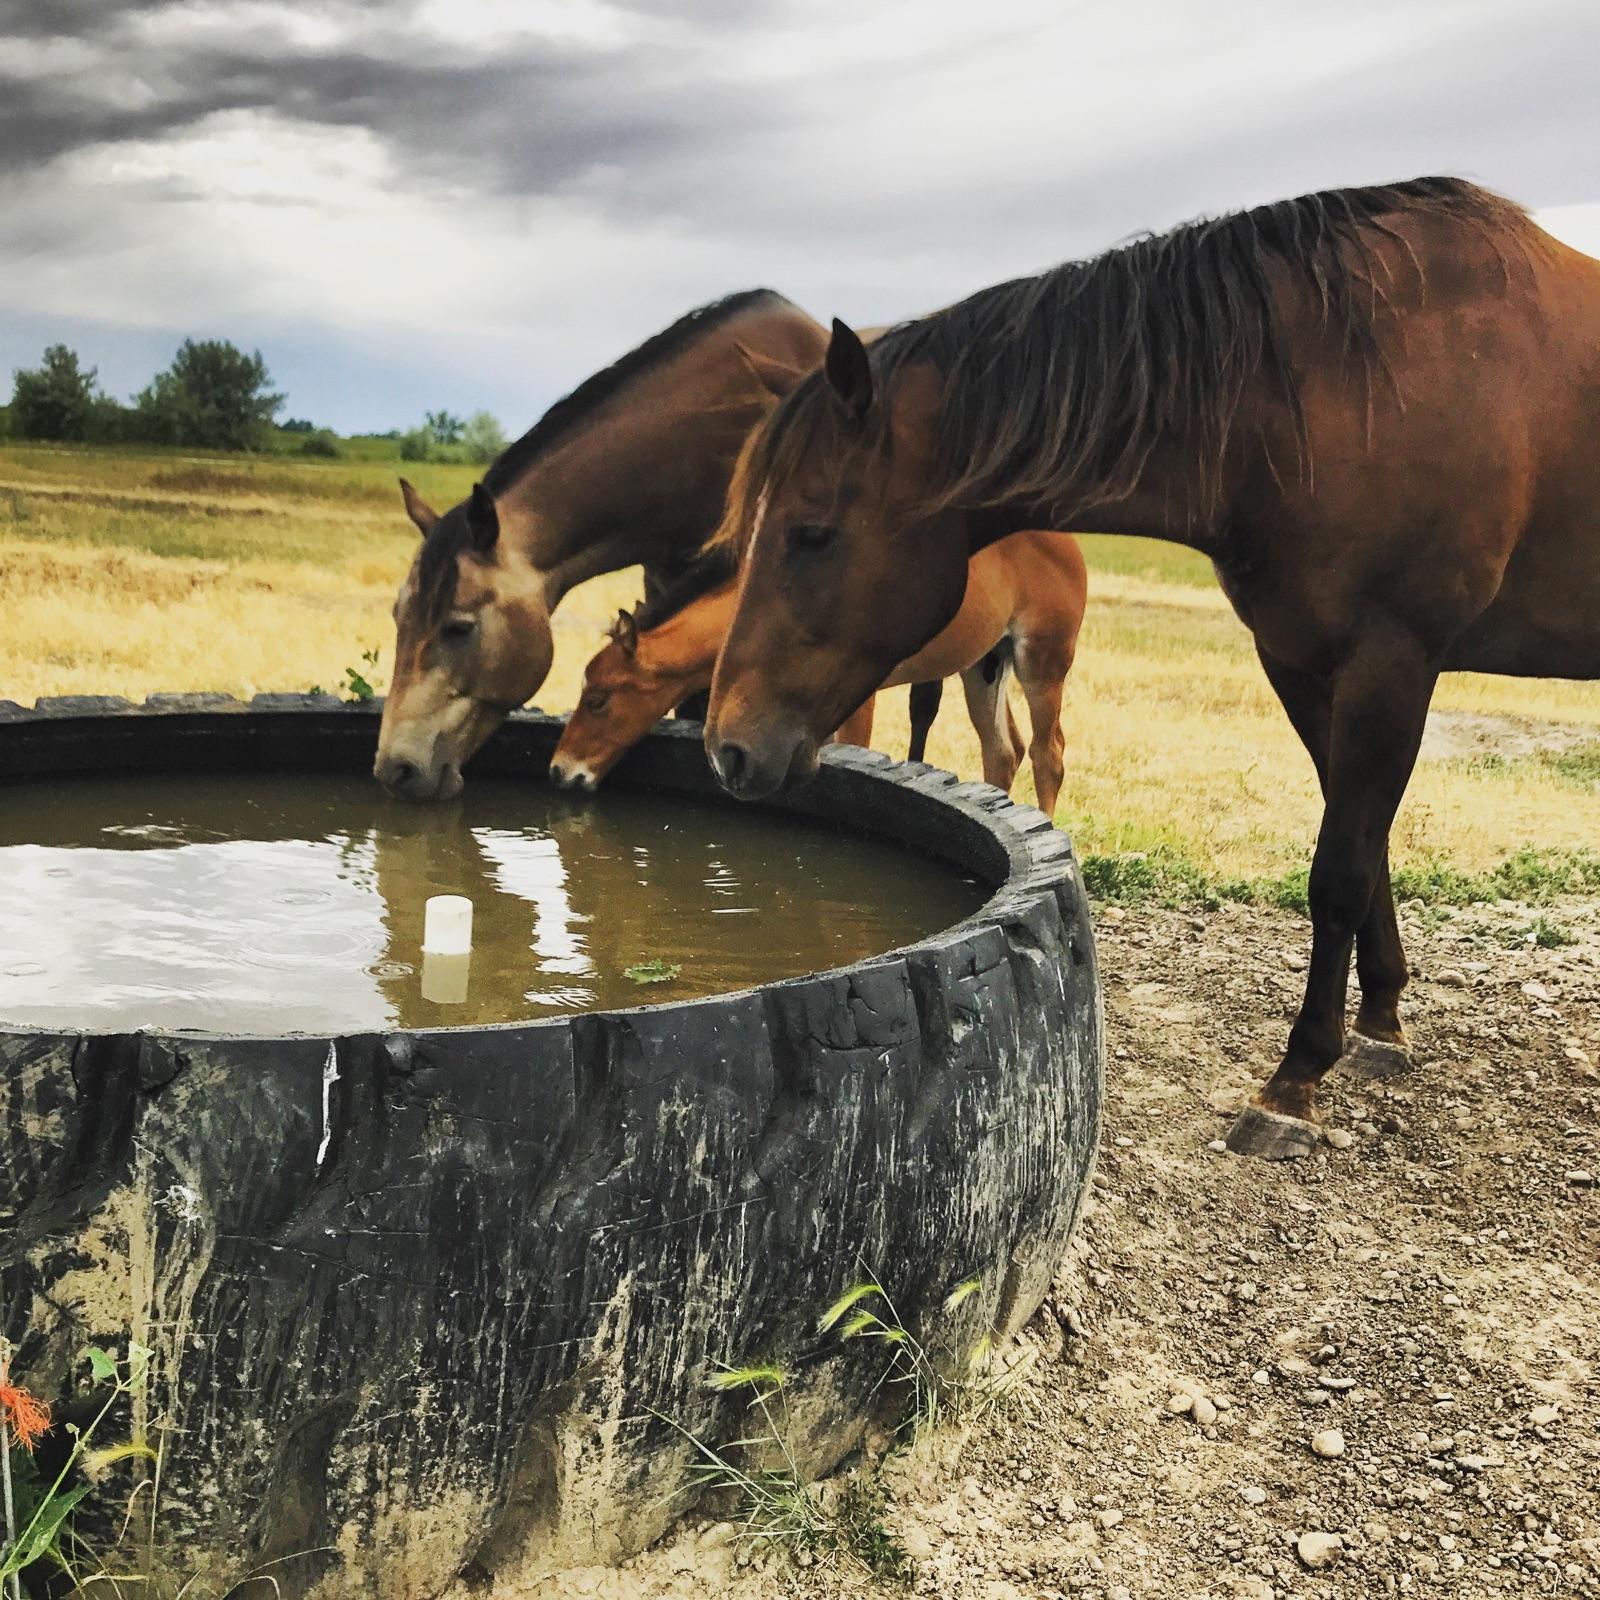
124	573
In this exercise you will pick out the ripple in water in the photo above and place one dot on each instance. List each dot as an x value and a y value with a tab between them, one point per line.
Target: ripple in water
295	904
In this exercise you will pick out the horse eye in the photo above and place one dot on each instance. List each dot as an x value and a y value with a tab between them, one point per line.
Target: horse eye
810	537
596	700
457	628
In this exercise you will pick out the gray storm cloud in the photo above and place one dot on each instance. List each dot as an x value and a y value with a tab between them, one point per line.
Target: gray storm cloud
874	161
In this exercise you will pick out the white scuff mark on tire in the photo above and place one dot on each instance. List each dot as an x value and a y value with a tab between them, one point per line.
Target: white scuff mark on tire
330	1076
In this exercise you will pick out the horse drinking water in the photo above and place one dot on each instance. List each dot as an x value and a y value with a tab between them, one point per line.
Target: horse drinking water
633	466
1374	409
1021	614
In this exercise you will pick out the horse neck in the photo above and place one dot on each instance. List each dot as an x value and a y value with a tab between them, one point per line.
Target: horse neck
683	649
1164	504
642	480
568	521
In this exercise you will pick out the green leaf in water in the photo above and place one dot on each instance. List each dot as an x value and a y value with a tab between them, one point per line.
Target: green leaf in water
652	971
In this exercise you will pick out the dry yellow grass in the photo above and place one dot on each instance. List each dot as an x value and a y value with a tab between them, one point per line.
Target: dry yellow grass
128	574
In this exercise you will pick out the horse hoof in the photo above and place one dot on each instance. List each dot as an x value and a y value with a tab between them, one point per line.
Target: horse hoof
1379	1059
1272	1136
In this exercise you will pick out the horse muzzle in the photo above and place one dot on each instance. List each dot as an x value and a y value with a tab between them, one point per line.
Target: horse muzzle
573	776
756	771
406	780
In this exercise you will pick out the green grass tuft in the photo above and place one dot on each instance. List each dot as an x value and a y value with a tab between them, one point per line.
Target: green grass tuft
1164	878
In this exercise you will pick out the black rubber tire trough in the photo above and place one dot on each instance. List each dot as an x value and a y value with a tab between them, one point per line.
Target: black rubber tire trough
441	1301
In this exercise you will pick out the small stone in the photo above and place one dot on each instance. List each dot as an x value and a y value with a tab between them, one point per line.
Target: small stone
1204	1412
1537	991
1294	961
1218	1147
1580	1176
1253	1495
1543	1416
1318	1550
1261	1375
1180	1405
1450	978
1338	1385
1108	1519
1340	1138
1328	1443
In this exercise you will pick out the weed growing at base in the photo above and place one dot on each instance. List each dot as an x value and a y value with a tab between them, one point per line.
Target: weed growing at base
37	1530
778	1505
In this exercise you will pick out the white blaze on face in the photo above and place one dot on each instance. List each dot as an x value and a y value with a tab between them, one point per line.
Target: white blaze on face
759	520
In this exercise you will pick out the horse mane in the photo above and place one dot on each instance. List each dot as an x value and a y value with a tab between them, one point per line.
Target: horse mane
451	535
1059	388
594	391
715	565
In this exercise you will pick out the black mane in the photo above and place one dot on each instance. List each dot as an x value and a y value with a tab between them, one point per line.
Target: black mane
1058	388
594	391
716	565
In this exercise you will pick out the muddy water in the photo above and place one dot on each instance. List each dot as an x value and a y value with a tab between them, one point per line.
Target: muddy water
294	904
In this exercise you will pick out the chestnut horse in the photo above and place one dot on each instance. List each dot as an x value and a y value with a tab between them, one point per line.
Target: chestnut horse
1375	410
633	466
1021	613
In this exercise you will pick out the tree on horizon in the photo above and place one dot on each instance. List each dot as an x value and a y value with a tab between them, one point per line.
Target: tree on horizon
213	396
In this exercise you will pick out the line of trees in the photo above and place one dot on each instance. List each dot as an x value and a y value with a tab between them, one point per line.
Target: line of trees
214	396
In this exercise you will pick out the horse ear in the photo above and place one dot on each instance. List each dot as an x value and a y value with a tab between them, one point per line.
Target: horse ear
849	372
418	509
773	376
483	520
626	632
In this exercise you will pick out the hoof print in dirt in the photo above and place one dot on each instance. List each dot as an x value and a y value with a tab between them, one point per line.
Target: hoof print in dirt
1272	1136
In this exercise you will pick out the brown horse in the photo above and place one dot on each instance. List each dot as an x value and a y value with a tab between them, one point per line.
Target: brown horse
1021	613
1374	409
633	466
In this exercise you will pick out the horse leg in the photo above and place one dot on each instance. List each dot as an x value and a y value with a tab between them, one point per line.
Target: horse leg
986	705
1042	672
925	698
1377	1047
1379	705
857	727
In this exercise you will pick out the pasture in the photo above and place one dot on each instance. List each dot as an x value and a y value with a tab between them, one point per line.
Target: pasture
1424	1286
127	573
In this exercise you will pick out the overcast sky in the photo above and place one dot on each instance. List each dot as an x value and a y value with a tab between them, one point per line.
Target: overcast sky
474	203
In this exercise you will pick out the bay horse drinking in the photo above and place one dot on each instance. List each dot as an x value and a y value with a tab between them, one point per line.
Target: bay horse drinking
1374	409
1020	614
633	466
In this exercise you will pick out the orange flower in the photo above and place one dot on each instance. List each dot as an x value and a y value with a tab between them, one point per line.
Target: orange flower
29	1418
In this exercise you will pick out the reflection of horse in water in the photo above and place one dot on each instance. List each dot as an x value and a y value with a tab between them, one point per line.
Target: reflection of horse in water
563	904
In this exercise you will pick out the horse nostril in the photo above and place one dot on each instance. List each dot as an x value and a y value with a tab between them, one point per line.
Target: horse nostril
558	775
733	761
397	776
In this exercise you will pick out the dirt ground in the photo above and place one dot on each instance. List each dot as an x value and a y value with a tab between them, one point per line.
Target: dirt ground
1373	1372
